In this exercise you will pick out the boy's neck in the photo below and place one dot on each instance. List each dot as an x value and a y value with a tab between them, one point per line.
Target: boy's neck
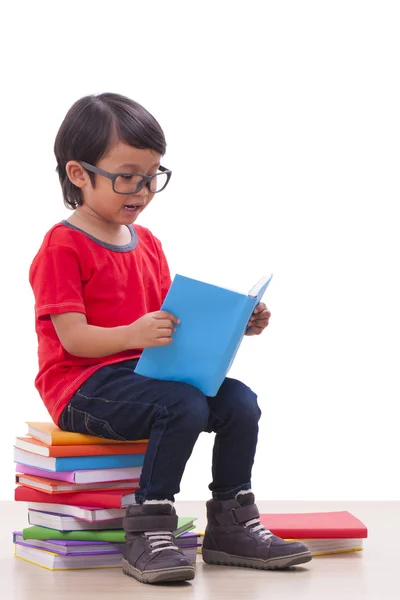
111	233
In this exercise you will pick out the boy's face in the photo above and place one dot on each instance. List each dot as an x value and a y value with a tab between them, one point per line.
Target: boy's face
101	201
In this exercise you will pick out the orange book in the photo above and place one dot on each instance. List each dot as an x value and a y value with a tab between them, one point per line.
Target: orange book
50	434
36	447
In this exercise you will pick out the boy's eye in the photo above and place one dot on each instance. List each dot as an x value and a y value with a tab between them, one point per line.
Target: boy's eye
126	176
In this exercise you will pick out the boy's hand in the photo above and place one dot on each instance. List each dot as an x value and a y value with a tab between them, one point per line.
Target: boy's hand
153	329
258	320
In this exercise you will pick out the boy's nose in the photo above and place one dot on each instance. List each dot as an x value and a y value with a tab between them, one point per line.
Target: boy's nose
144	191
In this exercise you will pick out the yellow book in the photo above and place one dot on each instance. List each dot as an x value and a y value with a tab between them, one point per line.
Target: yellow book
50	434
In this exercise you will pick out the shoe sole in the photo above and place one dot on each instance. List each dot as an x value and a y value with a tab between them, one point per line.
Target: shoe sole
215	557
158	575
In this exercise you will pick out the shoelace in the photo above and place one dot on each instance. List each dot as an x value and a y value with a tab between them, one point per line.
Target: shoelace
160	540
262	531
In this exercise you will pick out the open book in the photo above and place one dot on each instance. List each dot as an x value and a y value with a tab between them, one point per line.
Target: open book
213	321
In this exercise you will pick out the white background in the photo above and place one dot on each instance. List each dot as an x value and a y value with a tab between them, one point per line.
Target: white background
283	128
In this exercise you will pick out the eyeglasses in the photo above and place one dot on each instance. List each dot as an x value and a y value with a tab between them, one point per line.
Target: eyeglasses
132	183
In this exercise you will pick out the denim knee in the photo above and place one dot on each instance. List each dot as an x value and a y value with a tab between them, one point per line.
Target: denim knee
190	405
242	402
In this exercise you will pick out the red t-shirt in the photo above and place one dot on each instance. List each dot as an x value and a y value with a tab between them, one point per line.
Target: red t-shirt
111	285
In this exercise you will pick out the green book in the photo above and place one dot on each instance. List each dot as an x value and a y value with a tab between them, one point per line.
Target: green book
101	535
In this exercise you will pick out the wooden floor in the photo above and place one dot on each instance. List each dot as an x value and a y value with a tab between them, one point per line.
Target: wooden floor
369	575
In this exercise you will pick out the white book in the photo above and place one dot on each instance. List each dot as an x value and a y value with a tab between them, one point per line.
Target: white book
103	475
79	512
333	546
67	523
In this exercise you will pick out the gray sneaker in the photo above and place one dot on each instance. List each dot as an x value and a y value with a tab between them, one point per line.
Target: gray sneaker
235	537
150	553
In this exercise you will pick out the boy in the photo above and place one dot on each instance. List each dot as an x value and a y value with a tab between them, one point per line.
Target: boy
99	283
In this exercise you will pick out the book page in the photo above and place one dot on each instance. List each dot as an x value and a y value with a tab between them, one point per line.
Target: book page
263	282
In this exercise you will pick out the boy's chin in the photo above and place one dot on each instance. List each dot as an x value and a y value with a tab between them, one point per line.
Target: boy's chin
130	216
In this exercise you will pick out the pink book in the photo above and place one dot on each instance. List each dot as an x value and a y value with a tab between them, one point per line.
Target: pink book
83	476
60	475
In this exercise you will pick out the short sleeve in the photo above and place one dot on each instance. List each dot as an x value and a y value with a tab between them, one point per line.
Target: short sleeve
165	276
55	278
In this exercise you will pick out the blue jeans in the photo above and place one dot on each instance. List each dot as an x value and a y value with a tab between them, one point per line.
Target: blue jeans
116	403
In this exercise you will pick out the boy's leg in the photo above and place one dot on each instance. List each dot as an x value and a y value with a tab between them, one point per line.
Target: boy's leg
116	403
234	416
234	535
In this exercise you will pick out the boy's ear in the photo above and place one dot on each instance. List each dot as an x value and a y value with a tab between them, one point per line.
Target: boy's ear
76	173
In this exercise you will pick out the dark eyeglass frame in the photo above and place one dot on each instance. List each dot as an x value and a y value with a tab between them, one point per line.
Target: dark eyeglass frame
146	179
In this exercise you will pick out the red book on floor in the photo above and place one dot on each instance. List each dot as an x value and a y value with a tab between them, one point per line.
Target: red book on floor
103	499
333	525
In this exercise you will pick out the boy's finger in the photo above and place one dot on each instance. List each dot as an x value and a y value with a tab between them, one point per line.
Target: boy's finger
260	307
164	341
163	314
260	322
265	315
254	330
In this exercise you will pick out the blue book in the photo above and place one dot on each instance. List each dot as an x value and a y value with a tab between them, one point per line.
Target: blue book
213	321
77	463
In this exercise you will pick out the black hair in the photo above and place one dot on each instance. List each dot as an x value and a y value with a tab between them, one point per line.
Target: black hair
92	125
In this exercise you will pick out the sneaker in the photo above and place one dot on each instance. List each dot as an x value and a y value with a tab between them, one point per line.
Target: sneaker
150	553
235	537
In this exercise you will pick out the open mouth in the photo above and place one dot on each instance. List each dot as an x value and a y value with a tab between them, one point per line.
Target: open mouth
132	207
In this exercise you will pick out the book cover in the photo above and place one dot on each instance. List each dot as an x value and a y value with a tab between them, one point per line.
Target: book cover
73	463
332	525
52	435
36	447
103	499
52	486
213	321
83	476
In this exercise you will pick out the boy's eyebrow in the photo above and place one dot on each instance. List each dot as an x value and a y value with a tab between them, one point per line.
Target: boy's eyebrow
128	164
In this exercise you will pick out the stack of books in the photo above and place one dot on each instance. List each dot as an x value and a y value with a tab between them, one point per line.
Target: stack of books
77	488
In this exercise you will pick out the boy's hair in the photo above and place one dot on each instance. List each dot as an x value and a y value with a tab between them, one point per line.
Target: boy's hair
92	126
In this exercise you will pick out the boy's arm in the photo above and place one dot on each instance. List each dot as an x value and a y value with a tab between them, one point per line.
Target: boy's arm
80	339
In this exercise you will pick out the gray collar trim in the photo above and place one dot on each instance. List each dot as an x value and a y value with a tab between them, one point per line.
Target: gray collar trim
125	248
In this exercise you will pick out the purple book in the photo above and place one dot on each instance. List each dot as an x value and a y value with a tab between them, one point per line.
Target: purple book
64	546
188	540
